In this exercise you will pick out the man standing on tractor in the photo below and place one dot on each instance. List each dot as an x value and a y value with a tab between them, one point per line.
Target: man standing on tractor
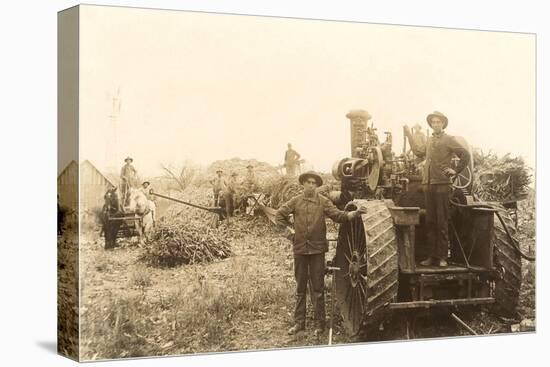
292	158
309	239
439	150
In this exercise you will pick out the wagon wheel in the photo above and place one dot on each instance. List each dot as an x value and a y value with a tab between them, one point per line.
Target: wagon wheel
367	257
463	180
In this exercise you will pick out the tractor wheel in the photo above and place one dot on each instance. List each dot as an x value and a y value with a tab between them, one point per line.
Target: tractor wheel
507	261
367	257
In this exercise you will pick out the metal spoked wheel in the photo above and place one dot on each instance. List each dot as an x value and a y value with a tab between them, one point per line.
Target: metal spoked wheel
463	180
367	257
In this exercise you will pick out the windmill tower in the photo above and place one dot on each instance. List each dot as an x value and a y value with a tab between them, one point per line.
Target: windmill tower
112	152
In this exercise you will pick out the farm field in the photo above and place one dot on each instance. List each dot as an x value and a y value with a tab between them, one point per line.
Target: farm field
132	308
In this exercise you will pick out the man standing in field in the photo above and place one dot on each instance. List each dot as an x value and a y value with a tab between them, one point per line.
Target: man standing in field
218	183
292	158
438	150
310	245
250	182
229	194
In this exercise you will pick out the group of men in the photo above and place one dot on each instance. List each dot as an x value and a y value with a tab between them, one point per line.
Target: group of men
309	210
129	179
228	188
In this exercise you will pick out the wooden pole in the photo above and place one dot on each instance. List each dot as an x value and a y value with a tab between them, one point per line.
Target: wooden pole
463	324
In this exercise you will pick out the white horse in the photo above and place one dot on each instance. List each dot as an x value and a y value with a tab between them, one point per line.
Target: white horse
136	202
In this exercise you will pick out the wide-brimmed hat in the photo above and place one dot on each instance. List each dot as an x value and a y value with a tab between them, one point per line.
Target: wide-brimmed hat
128	159
250	166
304	176
233	173
145	182
219	170
358	113
440	115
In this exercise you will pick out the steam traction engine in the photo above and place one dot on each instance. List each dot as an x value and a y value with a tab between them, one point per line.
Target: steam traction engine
378	255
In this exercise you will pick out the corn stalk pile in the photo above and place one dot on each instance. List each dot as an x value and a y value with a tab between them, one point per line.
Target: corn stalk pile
185	237
500	178
281	190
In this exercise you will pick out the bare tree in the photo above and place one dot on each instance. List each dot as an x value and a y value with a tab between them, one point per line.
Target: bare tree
183	176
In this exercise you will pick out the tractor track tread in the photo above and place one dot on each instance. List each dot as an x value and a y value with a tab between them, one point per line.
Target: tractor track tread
509	256
376	224
507	288
383	247
382	233
380	265
374	282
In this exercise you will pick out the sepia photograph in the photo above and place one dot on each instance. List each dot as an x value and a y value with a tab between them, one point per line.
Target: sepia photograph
237	183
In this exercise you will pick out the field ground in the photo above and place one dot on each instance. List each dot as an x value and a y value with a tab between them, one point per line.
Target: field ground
244	302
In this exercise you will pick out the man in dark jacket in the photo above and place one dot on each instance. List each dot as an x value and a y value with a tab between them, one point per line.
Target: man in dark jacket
310	244
439	150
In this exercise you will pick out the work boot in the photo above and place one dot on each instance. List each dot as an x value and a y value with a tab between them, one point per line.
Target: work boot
319	331
428	262
296	329
442	263
319	328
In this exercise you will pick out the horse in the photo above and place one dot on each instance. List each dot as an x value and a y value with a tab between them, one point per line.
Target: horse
111	209
137	203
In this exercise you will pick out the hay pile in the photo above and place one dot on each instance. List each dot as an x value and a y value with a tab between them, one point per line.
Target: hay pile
285	188
185	236
500	178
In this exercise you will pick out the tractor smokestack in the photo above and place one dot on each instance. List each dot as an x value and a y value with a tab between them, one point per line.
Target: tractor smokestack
358	120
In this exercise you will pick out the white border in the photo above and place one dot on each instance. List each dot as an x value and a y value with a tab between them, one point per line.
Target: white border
28	151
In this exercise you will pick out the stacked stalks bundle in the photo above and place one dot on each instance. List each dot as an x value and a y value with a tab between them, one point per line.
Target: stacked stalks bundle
186	238
500	178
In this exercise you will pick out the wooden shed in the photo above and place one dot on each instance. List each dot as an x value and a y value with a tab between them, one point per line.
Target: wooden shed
67	186
93	186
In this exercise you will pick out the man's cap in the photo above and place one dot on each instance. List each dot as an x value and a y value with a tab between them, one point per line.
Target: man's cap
219	170
250	166
233	173
437	114
358	113
128	159
310	174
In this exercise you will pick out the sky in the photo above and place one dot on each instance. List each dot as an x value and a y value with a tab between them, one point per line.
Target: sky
171	86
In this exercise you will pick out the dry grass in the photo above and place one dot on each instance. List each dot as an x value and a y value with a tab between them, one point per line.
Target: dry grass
198	316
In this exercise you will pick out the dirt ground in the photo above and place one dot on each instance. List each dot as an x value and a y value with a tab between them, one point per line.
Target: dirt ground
244	302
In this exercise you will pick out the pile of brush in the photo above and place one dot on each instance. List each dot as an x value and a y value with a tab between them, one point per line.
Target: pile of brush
186	237
500	178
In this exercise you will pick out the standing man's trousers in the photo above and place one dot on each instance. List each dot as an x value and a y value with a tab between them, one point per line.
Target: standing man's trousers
437	219
312	268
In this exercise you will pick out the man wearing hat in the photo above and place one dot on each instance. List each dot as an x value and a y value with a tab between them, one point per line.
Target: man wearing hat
291	160
145	188
310	244
438	150
229	194
250	181
128	176
218	183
